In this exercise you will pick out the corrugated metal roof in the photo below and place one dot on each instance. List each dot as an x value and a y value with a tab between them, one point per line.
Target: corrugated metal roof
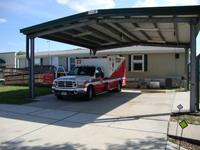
112	28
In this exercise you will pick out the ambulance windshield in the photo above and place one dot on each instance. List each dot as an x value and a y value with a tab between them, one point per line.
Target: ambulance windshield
82	71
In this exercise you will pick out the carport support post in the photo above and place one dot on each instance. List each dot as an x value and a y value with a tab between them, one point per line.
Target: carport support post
193	89
187	69
32	62
29	63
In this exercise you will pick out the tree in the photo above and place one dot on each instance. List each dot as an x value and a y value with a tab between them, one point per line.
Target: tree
21	53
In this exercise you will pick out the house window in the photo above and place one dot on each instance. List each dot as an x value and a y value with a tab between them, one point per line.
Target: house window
137	63
177	56
37	61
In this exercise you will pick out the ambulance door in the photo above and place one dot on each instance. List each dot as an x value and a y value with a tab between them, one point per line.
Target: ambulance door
99	86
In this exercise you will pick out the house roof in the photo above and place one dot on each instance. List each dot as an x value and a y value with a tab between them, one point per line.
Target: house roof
7	52
113	28
124	50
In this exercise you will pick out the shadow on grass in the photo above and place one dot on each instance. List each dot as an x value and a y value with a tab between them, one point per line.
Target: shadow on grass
148	143
19	94
15	97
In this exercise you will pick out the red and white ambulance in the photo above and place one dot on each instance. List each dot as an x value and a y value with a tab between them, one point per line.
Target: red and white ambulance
91	76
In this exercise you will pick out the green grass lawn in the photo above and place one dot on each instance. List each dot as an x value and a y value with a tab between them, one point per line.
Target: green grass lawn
19	94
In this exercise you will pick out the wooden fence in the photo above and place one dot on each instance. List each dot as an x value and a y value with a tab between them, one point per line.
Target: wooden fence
16	76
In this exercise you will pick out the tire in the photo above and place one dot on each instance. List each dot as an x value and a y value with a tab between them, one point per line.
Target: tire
59	97
119	87
90	93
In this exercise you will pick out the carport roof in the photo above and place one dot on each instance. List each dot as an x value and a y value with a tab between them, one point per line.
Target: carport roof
112	28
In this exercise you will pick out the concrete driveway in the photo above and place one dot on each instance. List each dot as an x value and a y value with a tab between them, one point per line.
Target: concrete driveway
126	120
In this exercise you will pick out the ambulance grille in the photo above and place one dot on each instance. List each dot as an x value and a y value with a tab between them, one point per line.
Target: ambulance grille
67	84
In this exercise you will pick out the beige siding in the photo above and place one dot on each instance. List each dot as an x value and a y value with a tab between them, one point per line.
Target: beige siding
46	61
22	62
62	60
160	66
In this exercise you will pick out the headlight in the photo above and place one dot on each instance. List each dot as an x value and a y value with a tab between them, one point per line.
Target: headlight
55	83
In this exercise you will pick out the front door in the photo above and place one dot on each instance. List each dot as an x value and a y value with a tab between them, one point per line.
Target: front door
55	61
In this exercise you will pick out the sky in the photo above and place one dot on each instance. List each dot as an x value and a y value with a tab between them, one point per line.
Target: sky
18	14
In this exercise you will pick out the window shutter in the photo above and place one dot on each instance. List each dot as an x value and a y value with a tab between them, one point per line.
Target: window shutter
41	61
129	62
67	64
145	62
177	56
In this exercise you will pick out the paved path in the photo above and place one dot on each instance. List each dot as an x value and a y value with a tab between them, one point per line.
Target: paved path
119	121
192	131
182	98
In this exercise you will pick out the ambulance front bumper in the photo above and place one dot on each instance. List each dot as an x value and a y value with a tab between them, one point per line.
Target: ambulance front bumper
69	92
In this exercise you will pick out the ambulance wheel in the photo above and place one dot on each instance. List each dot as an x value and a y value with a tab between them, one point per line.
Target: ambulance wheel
90	93
119	87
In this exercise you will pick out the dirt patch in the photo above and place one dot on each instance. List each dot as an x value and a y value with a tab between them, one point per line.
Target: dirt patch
185	144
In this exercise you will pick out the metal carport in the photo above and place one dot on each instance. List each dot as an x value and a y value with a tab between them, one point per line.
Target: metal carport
112	28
